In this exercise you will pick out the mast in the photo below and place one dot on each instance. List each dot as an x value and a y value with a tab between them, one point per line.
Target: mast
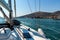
15	7
10	5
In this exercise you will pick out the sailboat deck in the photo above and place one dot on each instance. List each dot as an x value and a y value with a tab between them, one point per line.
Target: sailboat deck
34	34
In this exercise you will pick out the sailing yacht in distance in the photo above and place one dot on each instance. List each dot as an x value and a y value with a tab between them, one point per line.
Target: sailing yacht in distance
13	29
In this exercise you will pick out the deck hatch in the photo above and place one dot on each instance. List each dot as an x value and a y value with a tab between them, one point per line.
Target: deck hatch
27	35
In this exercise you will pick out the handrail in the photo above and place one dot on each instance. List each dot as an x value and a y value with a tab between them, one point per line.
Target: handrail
19	33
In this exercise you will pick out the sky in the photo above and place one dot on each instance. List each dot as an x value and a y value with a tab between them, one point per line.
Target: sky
25	7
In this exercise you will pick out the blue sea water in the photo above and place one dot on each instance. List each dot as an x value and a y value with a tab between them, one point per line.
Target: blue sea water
50	27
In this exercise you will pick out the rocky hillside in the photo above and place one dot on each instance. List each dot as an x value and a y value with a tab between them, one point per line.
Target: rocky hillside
42	15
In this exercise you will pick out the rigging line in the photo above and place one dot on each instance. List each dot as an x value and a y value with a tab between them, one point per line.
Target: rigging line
15	7
35	5
39	5
29	5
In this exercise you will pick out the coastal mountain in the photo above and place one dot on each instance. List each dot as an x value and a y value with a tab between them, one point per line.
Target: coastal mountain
42	15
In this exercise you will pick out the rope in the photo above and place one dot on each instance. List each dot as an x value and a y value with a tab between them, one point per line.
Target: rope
35	5
39	5
29	5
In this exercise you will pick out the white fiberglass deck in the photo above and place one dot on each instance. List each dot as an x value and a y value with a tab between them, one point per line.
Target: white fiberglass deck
20	34
34	34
